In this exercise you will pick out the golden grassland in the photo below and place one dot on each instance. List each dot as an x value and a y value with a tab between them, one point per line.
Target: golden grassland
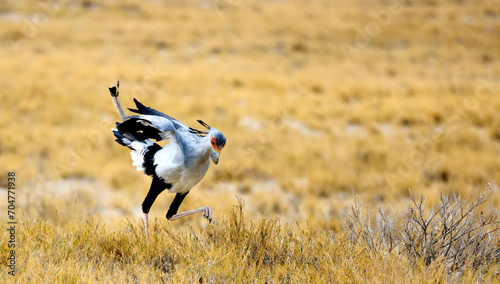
319	100
230	252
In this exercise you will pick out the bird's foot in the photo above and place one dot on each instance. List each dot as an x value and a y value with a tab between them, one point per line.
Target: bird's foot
207	213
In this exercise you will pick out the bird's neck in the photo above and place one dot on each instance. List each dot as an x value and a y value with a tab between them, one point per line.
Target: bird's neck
208	144
205	149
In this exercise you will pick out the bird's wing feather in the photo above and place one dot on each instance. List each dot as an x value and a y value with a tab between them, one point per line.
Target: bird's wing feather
144	110
159	128
152	126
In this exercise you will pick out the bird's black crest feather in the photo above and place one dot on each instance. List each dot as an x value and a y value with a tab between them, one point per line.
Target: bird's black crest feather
198	132
204	124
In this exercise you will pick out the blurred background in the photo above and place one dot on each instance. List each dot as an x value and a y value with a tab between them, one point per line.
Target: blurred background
320	101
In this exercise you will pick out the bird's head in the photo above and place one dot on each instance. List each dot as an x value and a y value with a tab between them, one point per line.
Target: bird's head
217	139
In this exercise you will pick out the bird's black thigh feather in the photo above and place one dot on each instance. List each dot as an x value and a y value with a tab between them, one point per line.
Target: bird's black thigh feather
157	187
179	197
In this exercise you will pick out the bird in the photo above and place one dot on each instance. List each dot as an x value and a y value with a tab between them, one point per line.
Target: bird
176	167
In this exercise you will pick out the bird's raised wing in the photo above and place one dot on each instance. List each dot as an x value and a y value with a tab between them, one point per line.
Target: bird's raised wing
143	127
144	110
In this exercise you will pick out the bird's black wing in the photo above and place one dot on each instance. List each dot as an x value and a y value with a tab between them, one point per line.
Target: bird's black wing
139	129
144	110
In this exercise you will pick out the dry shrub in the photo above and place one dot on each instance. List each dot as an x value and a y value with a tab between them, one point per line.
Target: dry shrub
456	232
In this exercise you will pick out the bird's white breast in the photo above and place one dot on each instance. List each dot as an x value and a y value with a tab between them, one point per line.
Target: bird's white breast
171	168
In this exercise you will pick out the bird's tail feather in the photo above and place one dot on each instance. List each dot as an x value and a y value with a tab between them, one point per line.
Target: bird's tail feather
120	139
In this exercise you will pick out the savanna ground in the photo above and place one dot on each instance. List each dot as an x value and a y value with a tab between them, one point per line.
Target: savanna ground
320	101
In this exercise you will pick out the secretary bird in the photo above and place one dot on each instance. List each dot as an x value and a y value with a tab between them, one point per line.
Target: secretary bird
178	166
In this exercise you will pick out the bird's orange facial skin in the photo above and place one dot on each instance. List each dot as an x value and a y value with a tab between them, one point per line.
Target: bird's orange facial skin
216	148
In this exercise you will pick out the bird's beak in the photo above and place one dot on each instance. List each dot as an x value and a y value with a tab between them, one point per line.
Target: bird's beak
215	156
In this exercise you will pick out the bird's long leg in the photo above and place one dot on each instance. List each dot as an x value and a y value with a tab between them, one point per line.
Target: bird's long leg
157	186
114	97
179	197
207	213
146	225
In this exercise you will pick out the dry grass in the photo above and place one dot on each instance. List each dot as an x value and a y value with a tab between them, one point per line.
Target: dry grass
319	101
265	252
